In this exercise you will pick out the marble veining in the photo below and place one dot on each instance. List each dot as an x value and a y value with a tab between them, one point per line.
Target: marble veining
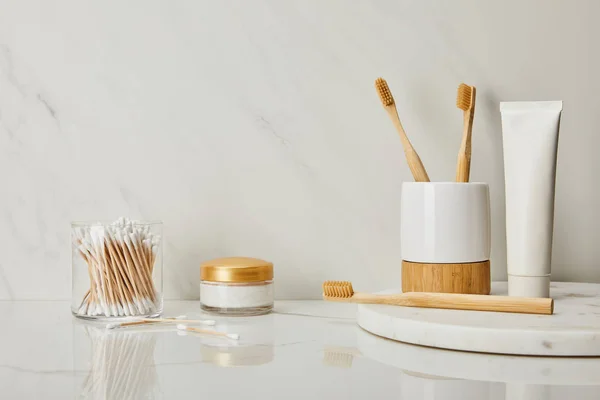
252	128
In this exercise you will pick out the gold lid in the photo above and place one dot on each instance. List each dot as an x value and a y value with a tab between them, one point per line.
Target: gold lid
236	269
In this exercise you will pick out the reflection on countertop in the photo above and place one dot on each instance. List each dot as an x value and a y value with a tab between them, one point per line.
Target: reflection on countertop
305	349
121	365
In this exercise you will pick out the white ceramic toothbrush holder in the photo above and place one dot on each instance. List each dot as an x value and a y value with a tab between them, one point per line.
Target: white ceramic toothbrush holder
445	237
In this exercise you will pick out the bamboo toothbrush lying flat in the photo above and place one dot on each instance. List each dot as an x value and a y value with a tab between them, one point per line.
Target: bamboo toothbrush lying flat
414	162
465	100
342	291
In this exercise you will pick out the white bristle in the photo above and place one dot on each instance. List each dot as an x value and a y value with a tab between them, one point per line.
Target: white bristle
181	327
112	325
209	322
180	317
233	336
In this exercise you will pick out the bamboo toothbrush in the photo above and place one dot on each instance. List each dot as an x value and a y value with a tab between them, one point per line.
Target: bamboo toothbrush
342	291
465	100
182	328
414	162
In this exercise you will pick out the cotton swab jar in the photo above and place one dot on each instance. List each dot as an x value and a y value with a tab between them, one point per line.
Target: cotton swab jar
116	269
236	286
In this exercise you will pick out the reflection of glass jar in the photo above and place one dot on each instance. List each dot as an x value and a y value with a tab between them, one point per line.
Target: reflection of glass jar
236	286
120	364
116	269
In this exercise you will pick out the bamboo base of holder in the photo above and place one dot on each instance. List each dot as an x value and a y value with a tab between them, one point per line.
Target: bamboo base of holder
468	278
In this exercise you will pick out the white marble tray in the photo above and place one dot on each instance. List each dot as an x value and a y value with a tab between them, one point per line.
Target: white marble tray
573	329
451	364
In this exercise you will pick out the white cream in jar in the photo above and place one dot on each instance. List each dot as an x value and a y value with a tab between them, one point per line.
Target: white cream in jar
236	286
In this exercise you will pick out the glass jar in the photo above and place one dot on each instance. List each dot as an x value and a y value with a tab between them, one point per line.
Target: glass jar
116	269
236	286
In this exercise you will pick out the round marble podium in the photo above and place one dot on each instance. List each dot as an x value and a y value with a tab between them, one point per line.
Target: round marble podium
573	329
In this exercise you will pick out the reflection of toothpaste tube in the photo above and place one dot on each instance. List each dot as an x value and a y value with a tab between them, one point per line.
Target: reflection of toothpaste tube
530	141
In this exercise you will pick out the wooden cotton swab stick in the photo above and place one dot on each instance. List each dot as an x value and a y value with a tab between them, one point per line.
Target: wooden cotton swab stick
138	268
145	321
233	336
142	262
116	277
138	286
121	276
118	259
97	246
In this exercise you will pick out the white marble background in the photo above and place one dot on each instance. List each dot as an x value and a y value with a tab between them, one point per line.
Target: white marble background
252	128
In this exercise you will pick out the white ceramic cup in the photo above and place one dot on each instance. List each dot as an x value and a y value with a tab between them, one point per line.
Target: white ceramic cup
445	222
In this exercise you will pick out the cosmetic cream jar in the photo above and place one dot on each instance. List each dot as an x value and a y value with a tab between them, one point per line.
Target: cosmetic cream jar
236	286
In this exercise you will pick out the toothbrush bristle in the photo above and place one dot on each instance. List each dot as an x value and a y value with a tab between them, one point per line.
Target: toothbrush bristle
384	92
338	289
337	359
464	96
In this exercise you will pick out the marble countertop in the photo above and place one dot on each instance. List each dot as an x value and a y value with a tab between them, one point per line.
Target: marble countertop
304	350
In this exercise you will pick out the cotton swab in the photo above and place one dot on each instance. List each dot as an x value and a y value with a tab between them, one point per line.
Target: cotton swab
183	327
144	321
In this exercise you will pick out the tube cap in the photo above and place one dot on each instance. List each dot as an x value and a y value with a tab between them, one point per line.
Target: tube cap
528	286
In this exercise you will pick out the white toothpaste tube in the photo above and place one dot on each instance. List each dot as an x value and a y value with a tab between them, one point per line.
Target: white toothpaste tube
530	142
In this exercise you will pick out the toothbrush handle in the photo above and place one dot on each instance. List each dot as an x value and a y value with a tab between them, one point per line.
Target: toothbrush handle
474	302
412	158
463	168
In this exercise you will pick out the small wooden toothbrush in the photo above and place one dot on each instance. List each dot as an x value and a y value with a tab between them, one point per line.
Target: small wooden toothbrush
414	162
465	100
342	291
